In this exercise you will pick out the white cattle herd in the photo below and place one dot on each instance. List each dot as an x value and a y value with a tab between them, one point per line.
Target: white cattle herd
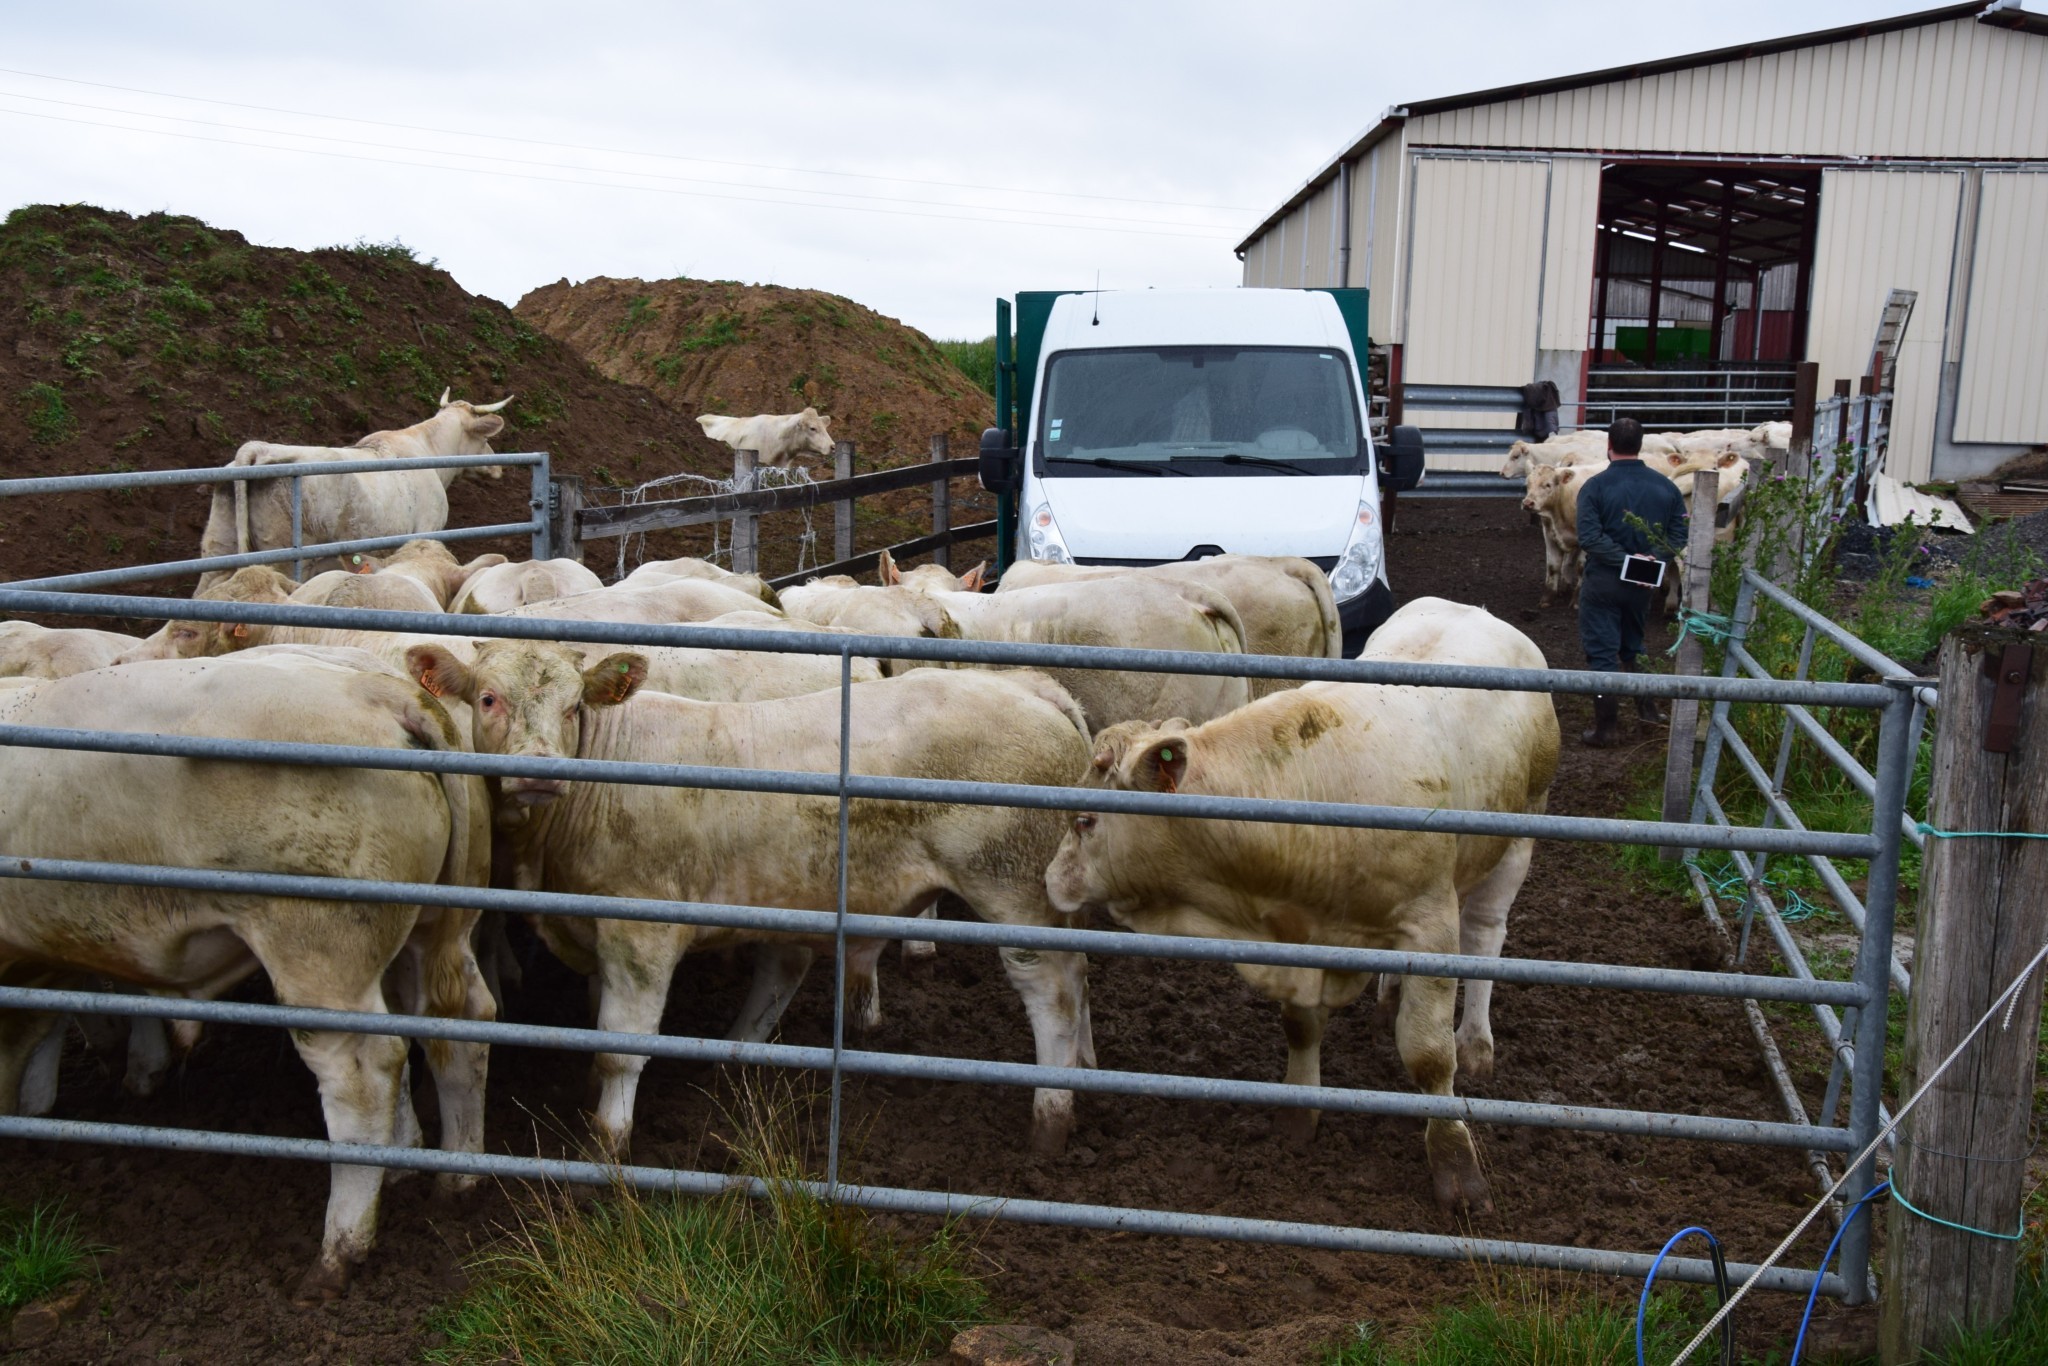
1556	469
447	691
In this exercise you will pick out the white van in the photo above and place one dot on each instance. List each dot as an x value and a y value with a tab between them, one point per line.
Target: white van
1175	424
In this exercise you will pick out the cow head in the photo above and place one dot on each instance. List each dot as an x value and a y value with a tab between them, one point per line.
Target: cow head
1102	857
465	428
817	432
1546	485
200	639
527	698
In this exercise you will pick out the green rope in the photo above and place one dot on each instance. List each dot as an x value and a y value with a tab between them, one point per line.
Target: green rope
1792	907
1711	627
1900	1196
1924	828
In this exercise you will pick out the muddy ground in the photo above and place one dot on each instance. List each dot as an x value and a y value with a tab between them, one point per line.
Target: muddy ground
203	1251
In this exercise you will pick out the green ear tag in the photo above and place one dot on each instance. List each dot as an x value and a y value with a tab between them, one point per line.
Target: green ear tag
625	668
1165	756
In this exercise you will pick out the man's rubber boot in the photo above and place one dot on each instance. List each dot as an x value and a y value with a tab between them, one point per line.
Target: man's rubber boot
1647	710
1606	731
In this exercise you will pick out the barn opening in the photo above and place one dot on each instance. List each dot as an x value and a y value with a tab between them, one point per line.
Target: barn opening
1702	284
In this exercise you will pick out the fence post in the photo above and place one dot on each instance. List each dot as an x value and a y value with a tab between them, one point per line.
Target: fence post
567	500
1961	1152
942	505
1805	394
1685	711
745	524
842	511
537	509
298	525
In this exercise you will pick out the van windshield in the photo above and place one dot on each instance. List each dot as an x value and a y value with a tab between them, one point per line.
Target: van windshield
1211	410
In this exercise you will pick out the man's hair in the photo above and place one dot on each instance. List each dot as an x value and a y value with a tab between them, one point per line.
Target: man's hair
1625	437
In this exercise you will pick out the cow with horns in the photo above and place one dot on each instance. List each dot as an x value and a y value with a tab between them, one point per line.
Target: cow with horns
349	506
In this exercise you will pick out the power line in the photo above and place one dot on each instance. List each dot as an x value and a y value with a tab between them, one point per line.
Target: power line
604	170
618	151
612	185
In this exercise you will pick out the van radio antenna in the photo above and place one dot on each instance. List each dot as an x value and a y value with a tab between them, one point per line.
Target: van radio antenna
1095	319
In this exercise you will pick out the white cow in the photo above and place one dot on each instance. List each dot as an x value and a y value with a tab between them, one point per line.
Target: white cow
327	822
500	588
1284	603
348	506
667	571
776	439
1427	747
31	651
700	845
1138	612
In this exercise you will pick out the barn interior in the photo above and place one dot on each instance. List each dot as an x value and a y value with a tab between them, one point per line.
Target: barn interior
1702	281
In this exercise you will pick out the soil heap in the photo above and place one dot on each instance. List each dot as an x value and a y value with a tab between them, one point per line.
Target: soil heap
160	342
718	346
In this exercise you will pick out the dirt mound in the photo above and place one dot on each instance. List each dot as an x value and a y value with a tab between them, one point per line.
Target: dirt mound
160	342
722	347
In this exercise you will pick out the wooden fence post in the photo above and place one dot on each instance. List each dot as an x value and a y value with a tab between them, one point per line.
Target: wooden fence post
1805	394
745	524
1982	917
1685	711
942	505
842	511
568	503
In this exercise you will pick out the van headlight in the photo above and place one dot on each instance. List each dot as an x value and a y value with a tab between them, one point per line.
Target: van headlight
1044	539
1359	565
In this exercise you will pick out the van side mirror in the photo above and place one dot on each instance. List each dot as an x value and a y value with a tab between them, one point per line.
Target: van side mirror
1001	469
1404	465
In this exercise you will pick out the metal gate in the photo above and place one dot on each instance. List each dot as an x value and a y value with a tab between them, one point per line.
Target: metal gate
1895	698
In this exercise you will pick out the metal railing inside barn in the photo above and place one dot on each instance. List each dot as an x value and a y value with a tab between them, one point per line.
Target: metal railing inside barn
1859	1052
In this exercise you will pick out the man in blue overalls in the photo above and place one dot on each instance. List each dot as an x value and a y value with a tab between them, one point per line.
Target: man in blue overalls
1631	520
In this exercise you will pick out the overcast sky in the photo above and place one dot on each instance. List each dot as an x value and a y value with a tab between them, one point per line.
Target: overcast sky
920	158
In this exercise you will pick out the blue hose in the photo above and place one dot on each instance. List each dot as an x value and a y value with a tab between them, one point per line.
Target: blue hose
1720	1285
1814	1294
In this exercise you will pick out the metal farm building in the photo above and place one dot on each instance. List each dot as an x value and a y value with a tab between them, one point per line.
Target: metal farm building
1758	203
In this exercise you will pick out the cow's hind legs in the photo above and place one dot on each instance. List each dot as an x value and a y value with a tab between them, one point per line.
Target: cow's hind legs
779	968
28	1068
1482	929
1422	1032
359	1094
1303	1026
1055	991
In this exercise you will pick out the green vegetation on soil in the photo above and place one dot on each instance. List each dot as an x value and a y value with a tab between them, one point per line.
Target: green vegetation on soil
39	1251
726	1281
1522	1321
974	359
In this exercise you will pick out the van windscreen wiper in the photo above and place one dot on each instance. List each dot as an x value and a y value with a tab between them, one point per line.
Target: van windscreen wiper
1141	466
1236	459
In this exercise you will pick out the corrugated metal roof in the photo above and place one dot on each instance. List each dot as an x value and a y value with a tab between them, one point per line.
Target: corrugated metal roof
2001	14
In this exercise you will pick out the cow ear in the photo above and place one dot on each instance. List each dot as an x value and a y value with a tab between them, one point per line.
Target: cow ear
1159	765
483	426
437	670
1569	473
613	679
974	578
809	411
886	571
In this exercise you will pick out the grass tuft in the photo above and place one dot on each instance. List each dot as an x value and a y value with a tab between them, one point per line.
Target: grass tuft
1522	1320
726	1279
39	1251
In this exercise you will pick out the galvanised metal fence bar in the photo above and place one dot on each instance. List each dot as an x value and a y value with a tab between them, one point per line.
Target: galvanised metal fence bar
1880	846
1870	696
1109	1219
538	527
921	1067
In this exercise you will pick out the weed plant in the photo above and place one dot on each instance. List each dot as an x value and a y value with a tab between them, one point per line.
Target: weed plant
1523	1319
39	1252
730	1280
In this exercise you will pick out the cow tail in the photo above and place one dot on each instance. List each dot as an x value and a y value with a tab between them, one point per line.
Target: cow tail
1318	585
448	953
1222	615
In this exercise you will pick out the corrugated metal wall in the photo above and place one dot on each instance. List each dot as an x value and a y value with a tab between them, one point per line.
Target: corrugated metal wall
2003	393
1568	249
1881	230
1958	89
